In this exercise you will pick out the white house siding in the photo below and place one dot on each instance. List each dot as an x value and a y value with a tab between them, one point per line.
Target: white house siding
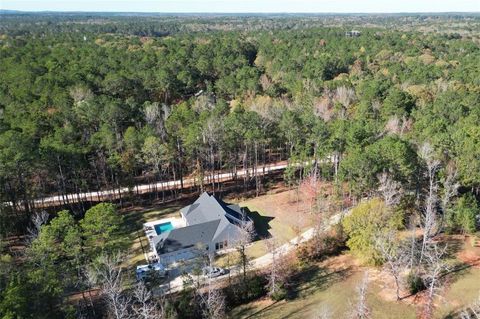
229	234
179	255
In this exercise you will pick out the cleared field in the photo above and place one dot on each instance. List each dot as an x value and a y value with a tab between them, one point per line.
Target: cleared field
277	214
332	285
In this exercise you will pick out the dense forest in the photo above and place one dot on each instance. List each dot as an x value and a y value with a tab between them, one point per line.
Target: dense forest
100	102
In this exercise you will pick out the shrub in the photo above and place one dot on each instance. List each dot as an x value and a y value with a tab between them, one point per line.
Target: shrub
280	294
322	245
415	283
256	287
235	293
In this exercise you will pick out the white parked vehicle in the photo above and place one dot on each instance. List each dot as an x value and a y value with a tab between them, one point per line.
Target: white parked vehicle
212	272
143	271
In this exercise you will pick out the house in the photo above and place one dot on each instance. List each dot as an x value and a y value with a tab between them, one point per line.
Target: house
211	225
353	33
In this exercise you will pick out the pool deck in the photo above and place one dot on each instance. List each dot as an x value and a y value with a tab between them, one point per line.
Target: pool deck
149	228
177	222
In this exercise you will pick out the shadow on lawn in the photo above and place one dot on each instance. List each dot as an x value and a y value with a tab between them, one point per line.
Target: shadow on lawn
454	246
314	279
307	282
246	312
261	223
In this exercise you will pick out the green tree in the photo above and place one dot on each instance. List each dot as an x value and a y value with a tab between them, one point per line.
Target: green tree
463	216
54	261
364	223
15	300
100	227
56	254
361	166
397	103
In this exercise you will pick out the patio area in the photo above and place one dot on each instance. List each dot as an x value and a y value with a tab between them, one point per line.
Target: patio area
156	227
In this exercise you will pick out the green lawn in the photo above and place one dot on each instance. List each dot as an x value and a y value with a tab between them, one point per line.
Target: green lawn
274	214
464	289
324	287
335	286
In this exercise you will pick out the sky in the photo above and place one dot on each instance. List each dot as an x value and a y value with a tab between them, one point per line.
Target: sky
235	6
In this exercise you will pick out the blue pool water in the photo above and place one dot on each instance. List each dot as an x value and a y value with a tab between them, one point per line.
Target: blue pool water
161	228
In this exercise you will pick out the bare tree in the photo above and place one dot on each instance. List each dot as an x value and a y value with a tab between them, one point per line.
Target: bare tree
450	190
213	304
471	311
38	220
393	125
278	271
273	271
390	190
212	133
309	189
80	93
323	107
430	212
204	102
155	115
345	96
398	126
107	272
145	307
360	309
212	300
435	267
265	82
413	254
245	237
393	255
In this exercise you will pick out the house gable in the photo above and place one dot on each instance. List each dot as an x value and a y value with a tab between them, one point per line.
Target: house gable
209	221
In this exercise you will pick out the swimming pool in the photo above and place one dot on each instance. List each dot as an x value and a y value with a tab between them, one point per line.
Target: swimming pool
161	228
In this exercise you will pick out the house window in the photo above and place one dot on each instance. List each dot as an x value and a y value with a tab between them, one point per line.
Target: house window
216	246
219	245
225	244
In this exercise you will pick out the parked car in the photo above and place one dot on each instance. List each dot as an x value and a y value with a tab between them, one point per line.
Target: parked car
212	272
152	270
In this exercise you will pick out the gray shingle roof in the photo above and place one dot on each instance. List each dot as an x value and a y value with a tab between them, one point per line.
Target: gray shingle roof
208	207
207	218
185	237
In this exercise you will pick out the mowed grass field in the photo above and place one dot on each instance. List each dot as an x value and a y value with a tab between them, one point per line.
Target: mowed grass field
329	286
332	285
278	214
